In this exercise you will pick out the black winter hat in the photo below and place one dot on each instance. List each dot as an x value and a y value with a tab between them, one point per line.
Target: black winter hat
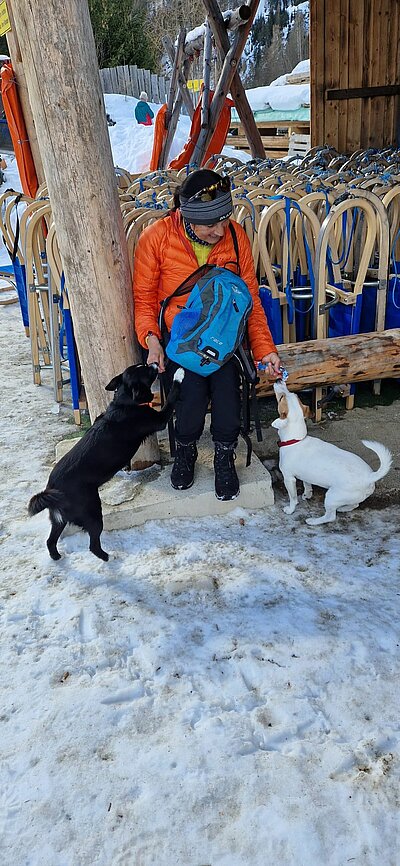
199	212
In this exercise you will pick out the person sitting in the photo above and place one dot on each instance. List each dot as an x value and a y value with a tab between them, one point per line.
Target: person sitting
195	232
143	113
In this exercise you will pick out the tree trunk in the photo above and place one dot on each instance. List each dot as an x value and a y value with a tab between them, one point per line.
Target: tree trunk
59	59
338	361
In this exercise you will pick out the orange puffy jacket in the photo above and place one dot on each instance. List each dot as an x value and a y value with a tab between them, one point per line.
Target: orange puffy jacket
164	258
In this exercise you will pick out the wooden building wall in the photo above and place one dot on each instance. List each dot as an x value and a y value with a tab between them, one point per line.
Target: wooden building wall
355	47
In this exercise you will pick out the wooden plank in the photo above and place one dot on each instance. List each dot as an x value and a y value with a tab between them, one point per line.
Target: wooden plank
301	126
272	141
298	78
127	81
164	86
393	75
114	79
147	81
134	81
332	73
338	360
182	76
120	79
343	107
356	37
367	36
155	95
294	125
317	71
386	36
105	80
140	80
376	120
366	92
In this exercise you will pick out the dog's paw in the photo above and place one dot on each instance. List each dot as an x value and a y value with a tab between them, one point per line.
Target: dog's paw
313	521
179	375
288	509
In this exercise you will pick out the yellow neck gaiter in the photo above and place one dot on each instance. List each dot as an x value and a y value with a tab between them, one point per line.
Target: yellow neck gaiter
201	251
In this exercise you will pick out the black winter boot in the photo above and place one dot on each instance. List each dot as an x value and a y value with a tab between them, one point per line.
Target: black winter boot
183	469
226	480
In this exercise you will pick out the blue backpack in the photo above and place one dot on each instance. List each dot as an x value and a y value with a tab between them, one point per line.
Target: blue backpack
203	338
212	324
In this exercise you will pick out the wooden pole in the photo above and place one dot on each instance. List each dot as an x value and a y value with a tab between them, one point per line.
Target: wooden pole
238	92
338	361
16	62
59	59
205	104
182	76
173	105
228	71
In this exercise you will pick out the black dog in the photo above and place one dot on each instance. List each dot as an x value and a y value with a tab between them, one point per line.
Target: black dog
72	492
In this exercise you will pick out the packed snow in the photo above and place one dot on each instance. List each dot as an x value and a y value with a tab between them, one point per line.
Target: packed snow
222	692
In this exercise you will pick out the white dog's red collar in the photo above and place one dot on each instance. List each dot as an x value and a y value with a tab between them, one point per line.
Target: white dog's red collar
289	442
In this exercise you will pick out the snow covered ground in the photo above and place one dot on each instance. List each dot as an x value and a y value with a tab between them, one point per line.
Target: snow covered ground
223	692
132	144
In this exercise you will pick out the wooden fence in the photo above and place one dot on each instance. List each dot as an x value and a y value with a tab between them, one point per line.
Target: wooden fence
130	81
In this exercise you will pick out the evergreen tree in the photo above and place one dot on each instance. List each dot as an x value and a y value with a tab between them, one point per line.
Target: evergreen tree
121	33
297	45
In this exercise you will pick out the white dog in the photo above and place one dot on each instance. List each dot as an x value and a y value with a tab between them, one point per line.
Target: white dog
348	478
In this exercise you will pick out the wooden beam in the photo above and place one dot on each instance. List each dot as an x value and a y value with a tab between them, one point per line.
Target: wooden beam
175	74
205	103
182	76
338	361
363	92
317	72
221	91
238	92
173	105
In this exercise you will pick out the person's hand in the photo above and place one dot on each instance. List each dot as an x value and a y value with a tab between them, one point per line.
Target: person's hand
156	353
272	363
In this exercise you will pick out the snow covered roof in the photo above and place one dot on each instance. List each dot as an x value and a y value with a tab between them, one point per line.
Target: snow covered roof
285	98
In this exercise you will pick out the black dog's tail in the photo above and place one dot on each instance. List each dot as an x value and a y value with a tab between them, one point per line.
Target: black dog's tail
52	499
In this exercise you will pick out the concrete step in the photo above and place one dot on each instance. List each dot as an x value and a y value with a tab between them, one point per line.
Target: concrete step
132	498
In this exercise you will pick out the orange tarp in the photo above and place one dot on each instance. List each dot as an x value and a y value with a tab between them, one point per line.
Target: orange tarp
159	135
16	125
217	141
215	146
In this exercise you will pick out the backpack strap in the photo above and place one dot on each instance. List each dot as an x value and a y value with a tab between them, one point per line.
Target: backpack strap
235	245
249	379
183	289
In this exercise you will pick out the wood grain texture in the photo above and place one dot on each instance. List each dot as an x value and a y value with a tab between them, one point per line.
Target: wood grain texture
339	360
67	105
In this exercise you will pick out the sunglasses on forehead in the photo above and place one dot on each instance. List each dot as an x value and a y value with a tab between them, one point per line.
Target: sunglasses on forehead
209	192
